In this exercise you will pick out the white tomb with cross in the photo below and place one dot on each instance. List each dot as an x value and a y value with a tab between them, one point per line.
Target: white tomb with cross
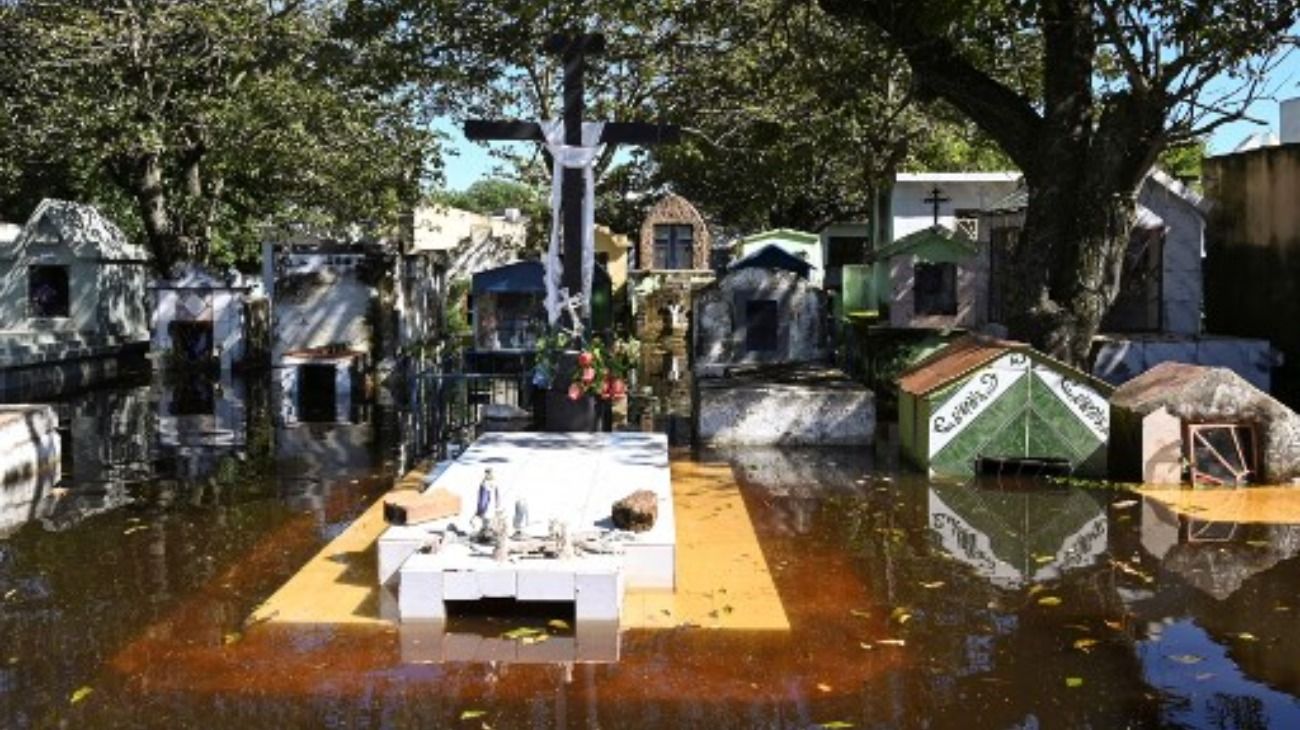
564	478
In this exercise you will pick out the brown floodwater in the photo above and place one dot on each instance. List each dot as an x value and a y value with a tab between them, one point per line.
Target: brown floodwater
123	599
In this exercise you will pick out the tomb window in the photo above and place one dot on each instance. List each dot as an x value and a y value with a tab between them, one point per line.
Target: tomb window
936	289
47	291
674	246
761	321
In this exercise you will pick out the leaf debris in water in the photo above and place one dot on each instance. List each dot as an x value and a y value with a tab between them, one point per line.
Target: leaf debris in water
558	624
1123	504
1187	658
522	632
932	584
891	642
81	694
1247	636
835	724
1049	601
1084	645
823	687
1073	682
472	714
137	528
859	613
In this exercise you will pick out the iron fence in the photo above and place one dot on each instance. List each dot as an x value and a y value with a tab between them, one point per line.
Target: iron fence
448	409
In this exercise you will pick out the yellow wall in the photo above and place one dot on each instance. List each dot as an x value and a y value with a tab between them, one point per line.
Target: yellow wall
617	246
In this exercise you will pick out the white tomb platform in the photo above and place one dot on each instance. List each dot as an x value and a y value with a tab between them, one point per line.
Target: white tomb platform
571	477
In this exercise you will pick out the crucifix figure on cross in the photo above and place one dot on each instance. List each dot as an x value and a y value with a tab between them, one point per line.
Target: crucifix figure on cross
574	147
936	198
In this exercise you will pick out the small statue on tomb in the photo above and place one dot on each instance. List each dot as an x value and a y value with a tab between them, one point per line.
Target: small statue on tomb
521	516
489	496
559	538
500	538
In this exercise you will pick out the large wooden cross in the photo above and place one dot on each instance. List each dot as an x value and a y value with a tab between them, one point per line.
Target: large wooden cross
573	51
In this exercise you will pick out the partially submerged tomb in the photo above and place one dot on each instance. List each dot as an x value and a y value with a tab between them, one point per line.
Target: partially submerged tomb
556	493
982	404
1179	422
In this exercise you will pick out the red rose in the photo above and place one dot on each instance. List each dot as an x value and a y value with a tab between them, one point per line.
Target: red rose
585	359
575	391
588	375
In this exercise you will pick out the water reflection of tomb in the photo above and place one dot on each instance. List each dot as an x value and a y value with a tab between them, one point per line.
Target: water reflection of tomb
1014	538
1214	557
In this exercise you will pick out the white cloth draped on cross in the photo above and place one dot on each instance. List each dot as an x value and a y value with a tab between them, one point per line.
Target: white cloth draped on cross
573	158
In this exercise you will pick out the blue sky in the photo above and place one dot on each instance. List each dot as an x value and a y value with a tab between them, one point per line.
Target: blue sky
467	161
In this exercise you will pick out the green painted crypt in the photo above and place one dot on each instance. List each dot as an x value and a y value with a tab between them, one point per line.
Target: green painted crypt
982	405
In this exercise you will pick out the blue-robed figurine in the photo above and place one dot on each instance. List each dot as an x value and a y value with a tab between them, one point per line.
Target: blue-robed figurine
489	498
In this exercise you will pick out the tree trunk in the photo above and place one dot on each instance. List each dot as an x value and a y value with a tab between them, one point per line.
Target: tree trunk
147	188
1065	269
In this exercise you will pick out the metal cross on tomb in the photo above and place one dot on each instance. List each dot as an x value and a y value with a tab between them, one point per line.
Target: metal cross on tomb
936	198
573	51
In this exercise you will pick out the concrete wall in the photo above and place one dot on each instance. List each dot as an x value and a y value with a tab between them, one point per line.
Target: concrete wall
1252	265
324	306
972	290
1181	289
971	191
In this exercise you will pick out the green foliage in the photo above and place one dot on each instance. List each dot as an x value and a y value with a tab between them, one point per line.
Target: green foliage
1184	161
210	119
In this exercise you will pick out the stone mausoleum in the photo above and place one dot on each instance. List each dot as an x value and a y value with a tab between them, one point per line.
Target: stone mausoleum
73	306
672	264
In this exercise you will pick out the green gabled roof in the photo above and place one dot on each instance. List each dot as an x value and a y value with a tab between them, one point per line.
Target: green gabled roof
782	234
932	236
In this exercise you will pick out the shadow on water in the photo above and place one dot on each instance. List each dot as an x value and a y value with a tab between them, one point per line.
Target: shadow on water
912	603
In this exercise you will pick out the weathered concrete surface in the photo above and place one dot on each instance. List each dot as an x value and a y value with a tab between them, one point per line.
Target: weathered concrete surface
1197	394
787	407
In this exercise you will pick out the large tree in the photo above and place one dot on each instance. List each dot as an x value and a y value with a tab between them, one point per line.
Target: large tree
1121	81
799	122
210	118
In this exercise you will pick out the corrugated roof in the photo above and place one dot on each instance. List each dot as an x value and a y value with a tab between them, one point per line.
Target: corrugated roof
967	354
957	359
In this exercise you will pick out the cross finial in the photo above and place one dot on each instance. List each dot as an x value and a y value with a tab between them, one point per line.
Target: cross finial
936	197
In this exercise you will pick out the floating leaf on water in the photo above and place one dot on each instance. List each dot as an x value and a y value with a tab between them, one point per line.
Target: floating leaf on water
891	642
1074	682
865	645
81	694
1049	601
1123	504
901	615
1202	676
1041	559
521	633
1281	608
823	687
558	624
11	593
1187	658
835	724
1116	625
1259	543
1247	636
132	530
859	613
932	584
472	714
231	638
1084	644
534	639
1036	588
13	660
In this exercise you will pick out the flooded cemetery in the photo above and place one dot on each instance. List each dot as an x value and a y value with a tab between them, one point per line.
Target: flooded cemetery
783	365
